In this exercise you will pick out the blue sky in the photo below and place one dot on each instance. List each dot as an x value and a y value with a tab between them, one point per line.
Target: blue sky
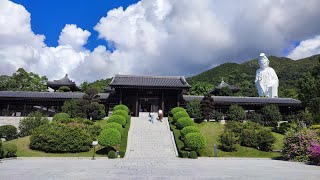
150	37
49	17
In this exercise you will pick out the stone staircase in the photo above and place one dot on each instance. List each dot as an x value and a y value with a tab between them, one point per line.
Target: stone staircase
150	140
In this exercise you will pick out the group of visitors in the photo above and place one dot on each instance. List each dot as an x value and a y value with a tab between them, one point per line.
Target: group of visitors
152	117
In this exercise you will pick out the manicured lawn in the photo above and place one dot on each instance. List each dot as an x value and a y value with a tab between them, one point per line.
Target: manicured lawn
212	130
25	151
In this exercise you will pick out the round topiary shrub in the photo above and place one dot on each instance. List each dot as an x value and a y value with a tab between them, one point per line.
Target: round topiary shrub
228	141
112	155
122	113
114	125
117	119
109	137
61	117
9	150
179	115
121	107
193	155
183	154
184	122
177	109
58	137
195	141
8	131
189	129
28	124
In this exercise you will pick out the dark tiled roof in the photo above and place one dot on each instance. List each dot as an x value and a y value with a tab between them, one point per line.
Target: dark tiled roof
149	81
63	81
246	100
45	95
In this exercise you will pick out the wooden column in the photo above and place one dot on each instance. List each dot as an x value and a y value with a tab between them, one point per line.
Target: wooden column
120	100
178	99
137	104
162	101
24	110
8	108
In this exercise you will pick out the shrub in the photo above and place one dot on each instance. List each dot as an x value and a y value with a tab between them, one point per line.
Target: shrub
183	154
70	107
8	131
179	115
236	113
64	89
122	113
265	140
121	107
117	119
31	122
1	150
189	129
195	141
296	145
176	109
58	137
283	128
271	115
184	122
315	154
9	150
194	109
109	137
193	155
97	111
61	117
114	125
207	106
112	155
254	117
228	141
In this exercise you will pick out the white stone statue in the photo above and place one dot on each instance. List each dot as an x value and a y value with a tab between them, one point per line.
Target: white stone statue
267	81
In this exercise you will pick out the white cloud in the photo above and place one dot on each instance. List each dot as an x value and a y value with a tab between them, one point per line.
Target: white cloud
306	48
161	37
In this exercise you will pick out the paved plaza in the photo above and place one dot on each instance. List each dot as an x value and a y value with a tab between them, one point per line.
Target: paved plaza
151	155
202	168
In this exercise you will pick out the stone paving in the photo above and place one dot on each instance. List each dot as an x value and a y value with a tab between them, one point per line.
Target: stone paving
151	155
202	168
149	140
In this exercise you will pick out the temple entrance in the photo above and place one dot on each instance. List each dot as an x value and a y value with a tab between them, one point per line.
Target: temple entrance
149	104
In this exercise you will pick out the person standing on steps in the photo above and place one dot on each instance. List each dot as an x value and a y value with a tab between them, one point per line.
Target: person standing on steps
160	115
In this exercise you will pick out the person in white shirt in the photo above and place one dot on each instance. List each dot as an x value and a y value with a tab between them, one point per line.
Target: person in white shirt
160	115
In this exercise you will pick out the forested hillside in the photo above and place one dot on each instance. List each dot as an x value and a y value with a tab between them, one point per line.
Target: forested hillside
243	75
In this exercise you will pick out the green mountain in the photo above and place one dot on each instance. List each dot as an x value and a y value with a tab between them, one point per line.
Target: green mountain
243	75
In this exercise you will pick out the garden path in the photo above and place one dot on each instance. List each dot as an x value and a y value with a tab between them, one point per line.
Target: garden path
150	140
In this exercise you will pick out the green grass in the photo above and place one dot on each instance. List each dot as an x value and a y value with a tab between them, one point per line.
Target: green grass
212	130
25	151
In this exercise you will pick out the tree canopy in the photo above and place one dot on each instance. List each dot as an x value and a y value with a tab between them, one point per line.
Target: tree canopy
23	81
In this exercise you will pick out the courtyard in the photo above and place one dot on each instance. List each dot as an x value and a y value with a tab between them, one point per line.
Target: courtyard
173	168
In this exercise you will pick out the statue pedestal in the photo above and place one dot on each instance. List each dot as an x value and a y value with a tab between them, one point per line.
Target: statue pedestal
223	121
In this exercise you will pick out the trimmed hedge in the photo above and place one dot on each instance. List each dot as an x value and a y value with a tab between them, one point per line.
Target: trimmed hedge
177	109
8	131
112	155
109	137
184	122
122	113
61	117
9	150
1	151
121	107
195	141
114	125
193	155
189	129
179	115
57	137
117	119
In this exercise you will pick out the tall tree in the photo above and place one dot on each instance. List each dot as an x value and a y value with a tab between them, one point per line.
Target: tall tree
100	85
207	106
